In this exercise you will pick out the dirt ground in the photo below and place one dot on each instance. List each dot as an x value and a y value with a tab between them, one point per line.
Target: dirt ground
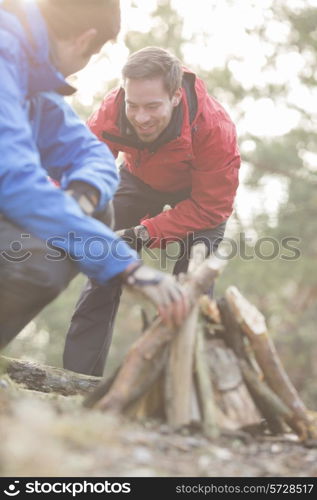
45	435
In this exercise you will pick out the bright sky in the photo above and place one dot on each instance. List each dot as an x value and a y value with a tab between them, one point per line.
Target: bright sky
220	33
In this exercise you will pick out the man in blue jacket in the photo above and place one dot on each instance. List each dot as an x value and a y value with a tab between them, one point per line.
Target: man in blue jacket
48	234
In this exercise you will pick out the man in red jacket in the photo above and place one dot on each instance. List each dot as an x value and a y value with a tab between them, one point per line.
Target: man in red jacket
180	149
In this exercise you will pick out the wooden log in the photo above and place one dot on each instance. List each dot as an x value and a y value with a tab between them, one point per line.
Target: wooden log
145	320
198	256
274	406
223	365
179	372
205	390
231	334
44	378
138	361
141	367
202	278
209	309
234	339
195	413
150	404
253	325
229	387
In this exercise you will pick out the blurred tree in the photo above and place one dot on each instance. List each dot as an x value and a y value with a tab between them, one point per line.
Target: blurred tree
166	31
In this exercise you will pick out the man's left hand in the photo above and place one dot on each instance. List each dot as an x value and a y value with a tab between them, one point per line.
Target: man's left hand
87	196
136	237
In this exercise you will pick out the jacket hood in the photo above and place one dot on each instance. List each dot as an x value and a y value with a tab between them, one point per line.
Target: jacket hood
24	22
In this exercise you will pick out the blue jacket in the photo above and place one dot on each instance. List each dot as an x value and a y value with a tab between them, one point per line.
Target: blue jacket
40	135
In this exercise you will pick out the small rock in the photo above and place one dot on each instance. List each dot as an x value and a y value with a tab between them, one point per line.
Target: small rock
141	472
204	463
3	384
148	424
237	444
184	431
221	453
164	429
311	457
276	448
141	455
193	442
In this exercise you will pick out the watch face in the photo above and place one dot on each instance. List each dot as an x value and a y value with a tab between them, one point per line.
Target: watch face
143	234
85	204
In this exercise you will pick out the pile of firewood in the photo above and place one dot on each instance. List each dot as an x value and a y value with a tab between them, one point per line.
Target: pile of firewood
220	371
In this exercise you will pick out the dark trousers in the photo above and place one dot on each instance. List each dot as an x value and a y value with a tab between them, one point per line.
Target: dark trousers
29	281
89	336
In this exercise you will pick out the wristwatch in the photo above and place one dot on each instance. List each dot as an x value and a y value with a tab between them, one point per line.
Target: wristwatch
83	201
85	195
142	233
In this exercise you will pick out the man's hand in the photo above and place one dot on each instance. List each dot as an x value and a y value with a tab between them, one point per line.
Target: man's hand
136	237
162	289
87	196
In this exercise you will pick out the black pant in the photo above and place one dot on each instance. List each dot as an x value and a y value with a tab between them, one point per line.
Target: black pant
90	333
29	281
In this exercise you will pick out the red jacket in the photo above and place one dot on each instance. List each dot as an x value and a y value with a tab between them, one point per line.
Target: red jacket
203	157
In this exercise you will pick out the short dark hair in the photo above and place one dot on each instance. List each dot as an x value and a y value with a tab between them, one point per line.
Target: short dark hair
153	62
69	18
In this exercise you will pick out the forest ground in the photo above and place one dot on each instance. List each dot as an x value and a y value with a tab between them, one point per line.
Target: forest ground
52	435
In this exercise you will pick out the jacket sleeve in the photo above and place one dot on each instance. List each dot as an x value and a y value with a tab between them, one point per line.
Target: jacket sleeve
31	201
97	120
214	184
70	152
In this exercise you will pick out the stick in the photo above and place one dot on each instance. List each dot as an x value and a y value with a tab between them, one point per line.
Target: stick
179	374
253	325
234	339
205	390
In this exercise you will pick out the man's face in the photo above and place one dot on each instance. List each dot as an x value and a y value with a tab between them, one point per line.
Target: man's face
149	107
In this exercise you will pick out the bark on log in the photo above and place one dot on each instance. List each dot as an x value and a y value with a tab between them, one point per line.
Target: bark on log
151	404
138	362
209	309
179	373
234	339
47	378
253	324
205	390
141	367
179	383
195	411
231	334
229	387
275	410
